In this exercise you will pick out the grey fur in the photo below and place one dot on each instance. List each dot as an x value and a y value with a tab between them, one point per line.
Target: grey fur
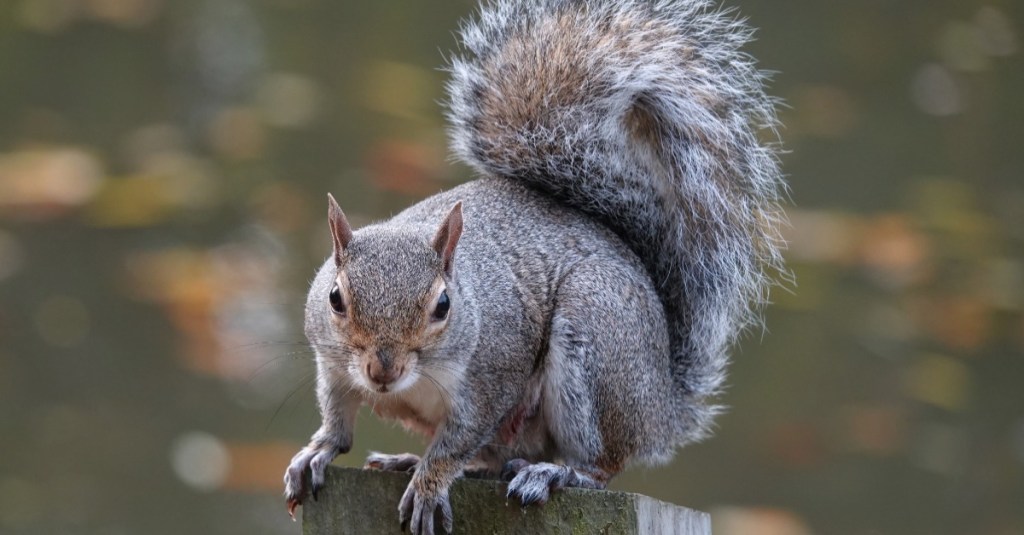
646	116
619	239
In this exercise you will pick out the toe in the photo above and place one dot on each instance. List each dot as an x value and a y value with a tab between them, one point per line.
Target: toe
447	518
512	468
416	521
427	520
405	507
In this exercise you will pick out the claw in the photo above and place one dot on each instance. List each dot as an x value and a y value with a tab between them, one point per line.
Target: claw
292	505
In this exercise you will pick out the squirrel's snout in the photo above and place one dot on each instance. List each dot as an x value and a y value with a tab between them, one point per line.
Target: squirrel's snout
383	374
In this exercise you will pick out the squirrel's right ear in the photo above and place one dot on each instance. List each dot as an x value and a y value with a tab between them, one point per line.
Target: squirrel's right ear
340	229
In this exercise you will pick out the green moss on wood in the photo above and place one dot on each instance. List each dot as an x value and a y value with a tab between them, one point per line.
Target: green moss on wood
366	502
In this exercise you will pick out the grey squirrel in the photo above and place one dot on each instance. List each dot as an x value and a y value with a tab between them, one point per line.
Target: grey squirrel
569	312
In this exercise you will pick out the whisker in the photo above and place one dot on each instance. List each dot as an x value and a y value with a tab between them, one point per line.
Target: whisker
306	381
259	369
265	343
441	390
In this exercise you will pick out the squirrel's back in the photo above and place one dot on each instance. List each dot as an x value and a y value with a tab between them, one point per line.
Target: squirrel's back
646	116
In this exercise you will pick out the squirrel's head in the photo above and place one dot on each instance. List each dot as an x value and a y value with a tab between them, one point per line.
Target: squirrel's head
391	298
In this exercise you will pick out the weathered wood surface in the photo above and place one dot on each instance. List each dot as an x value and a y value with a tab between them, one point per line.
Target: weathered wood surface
366	503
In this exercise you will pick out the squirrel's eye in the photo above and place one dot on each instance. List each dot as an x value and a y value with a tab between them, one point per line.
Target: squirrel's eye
336	303
441	310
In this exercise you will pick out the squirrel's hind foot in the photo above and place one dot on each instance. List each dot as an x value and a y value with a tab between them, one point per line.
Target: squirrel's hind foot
534	483
401	462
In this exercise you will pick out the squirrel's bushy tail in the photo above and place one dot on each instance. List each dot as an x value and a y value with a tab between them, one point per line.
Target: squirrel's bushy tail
645	115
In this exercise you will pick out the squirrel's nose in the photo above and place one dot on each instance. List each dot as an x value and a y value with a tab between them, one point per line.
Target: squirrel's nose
382	373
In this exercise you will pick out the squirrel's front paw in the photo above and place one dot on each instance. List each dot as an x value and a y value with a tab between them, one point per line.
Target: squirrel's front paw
305	474
417	508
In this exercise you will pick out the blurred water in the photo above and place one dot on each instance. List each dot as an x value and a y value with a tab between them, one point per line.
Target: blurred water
163	167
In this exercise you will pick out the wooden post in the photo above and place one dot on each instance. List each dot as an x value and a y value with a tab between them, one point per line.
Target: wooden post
366	502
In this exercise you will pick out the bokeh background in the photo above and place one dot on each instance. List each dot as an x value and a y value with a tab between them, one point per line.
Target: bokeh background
163	170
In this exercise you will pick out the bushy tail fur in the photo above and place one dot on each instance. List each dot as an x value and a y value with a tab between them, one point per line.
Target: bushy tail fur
645	115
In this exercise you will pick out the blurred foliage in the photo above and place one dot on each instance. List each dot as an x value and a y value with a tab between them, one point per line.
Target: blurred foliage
163	167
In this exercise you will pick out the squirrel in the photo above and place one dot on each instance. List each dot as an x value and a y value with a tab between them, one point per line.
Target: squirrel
570	311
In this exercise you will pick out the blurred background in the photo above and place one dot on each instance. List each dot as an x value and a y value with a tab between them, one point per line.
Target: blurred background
163	170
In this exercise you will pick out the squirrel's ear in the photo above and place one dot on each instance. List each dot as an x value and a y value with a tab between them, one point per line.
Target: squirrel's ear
340	229
448	237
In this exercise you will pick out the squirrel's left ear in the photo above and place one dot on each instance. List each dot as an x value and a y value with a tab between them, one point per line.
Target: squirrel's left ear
340	229
448	237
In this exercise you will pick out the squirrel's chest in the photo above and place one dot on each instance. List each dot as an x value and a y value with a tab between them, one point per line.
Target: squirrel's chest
420	408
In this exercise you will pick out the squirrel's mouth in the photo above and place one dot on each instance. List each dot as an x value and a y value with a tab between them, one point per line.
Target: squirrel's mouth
389	381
